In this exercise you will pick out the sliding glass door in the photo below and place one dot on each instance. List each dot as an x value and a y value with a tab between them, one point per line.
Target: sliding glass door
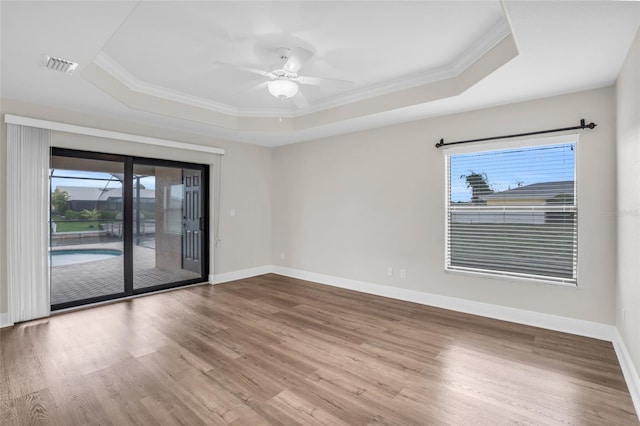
86	253
122	226
168	218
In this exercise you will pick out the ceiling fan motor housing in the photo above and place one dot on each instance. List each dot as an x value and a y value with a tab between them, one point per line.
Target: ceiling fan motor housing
284	53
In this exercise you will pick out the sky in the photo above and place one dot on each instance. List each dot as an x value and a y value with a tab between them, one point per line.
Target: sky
508	169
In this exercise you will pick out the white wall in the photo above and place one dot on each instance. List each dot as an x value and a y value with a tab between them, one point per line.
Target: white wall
352	205
628	211
245	184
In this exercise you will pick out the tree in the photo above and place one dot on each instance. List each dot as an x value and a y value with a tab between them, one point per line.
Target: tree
89	214
479	184
59	201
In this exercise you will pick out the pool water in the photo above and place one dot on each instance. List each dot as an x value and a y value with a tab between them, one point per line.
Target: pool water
69	257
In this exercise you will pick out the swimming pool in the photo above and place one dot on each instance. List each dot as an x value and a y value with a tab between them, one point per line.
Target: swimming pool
69	257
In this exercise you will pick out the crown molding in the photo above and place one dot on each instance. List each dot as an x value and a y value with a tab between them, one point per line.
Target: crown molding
255	127
117	71
471	55
498	32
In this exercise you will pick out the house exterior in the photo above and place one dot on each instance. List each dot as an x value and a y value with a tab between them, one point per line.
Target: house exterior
89	198
551	194
536	194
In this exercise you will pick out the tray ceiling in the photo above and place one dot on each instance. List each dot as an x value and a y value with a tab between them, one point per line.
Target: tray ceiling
174	63
173	50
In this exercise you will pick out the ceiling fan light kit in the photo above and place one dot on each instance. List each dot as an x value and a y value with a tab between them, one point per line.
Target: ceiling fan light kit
282	88
284	81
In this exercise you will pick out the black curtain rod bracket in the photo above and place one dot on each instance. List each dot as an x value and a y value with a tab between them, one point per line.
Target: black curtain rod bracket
582	126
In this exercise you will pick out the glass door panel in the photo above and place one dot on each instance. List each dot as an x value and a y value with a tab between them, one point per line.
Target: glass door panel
122	226
86	244
167	219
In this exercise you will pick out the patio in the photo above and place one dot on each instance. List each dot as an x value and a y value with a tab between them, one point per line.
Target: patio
102	277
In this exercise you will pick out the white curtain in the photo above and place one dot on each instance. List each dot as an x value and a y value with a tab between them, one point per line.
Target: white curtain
27	222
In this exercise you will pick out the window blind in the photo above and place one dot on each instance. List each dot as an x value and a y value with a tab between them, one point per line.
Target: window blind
513	212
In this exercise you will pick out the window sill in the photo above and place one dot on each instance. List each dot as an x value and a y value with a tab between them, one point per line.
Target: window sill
497	276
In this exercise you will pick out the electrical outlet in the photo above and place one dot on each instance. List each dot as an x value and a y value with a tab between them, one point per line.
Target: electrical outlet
390	271
403	273
232	212
282	256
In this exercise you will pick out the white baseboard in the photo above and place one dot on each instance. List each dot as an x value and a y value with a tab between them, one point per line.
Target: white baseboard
238	275
536	319
628	369
520	316
4	320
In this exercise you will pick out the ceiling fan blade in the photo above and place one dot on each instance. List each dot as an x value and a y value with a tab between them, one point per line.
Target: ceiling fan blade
250	87
298	57
260	86
245	68
300	100
332	82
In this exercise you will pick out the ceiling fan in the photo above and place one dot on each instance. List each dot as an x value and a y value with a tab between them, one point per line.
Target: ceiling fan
284	79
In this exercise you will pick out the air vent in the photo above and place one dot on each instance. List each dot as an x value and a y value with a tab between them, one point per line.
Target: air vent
61	65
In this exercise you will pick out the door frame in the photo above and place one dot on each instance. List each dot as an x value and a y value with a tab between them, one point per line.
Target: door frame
127	193
204	168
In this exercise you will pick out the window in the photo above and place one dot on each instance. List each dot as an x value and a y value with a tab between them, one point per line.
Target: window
513	212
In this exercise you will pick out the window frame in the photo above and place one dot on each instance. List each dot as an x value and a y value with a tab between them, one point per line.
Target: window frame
499	146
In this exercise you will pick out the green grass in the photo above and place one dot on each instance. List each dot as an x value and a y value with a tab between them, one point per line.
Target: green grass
77	226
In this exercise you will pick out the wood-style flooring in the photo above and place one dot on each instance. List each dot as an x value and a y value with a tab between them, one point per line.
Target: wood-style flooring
275	350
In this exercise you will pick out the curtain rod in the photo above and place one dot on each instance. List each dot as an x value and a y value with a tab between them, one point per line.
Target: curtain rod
581	126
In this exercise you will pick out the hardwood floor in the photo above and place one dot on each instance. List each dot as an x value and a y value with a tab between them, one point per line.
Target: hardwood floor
274	350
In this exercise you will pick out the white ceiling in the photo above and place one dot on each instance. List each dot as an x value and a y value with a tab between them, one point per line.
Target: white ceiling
172	46
169	51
